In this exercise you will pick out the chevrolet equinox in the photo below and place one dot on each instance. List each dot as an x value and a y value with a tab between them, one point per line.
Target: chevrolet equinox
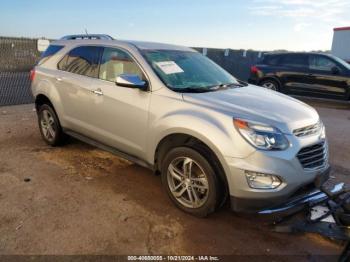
169	108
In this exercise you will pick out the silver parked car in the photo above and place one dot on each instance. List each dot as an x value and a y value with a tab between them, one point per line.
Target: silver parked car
175	111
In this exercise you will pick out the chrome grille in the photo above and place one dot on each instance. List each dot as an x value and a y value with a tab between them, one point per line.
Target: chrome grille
314	156
308	130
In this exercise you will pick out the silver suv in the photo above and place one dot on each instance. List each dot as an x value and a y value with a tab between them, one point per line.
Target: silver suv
173	110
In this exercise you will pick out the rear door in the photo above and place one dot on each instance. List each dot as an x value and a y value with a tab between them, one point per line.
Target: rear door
329	79
73	81
294	73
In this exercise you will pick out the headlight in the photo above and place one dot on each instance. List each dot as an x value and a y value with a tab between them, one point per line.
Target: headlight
262	181
261	136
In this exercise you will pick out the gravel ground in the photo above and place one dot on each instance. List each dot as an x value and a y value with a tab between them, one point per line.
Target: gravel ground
81	200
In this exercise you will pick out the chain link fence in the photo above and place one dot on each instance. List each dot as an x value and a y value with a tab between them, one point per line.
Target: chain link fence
17	58
15	88
236	62
19	55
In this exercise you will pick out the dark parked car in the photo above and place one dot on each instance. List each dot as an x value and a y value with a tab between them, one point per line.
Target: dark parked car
310	74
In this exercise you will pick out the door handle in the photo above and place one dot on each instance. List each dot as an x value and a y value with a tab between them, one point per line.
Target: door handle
97	92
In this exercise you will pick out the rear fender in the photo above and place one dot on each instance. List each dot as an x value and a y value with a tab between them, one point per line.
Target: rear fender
43	86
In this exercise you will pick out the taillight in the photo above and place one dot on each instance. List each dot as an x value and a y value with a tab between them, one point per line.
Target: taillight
254	70
32	75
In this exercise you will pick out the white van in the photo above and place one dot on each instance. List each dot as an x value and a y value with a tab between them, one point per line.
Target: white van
341	43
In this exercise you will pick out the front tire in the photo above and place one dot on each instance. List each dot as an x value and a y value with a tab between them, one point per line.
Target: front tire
49	125
190	181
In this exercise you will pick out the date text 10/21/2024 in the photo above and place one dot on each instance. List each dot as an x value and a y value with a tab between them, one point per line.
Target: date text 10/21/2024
173	258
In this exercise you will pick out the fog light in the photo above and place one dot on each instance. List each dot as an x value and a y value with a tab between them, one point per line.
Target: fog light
323	131
262	181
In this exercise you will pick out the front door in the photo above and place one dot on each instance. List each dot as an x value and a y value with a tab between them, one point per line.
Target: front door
329	79
120	114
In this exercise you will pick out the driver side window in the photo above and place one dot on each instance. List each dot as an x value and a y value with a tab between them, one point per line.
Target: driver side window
321	63
115	62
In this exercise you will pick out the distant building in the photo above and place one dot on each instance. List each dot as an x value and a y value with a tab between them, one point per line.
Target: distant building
341	43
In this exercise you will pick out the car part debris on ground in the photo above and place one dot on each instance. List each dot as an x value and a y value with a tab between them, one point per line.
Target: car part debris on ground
325	211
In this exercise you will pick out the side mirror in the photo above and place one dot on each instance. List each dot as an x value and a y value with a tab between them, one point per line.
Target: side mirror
131	81
335	70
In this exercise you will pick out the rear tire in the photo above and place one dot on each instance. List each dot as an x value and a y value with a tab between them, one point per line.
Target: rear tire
190	181
49	126
270	84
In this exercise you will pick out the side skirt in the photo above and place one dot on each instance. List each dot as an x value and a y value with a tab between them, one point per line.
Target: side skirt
110	149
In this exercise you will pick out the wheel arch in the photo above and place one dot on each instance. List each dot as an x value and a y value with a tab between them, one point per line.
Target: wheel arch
44	90
182	139
42	99
271	78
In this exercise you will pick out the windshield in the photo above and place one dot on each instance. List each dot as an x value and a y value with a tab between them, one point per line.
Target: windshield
342	62
186	70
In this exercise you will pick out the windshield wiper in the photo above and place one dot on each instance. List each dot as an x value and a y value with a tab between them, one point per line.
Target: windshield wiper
233	85
194	89
191	89
224	86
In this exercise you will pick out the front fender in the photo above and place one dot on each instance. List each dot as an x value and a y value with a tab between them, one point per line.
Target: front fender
211	130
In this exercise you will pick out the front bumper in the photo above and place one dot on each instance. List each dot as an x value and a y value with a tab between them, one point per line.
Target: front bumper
285	164
282	202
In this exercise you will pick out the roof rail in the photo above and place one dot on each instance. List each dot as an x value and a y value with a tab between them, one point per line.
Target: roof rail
87	36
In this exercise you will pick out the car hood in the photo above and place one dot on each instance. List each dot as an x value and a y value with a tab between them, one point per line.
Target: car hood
258	104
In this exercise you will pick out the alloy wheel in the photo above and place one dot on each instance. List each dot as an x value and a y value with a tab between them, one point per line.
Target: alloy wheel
188	182
269	85
48	126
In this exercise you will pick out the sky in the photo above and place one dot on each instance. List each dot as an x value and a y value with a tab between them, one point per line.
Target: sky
238	24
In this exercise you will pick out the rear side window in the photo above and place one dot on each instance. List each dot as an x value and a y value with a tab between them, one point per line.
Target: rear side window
295	60
50	51
272	60
83	60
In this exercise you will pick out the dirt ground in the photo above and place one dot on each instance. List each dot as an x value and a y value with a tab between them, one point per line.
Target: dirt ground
81	200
